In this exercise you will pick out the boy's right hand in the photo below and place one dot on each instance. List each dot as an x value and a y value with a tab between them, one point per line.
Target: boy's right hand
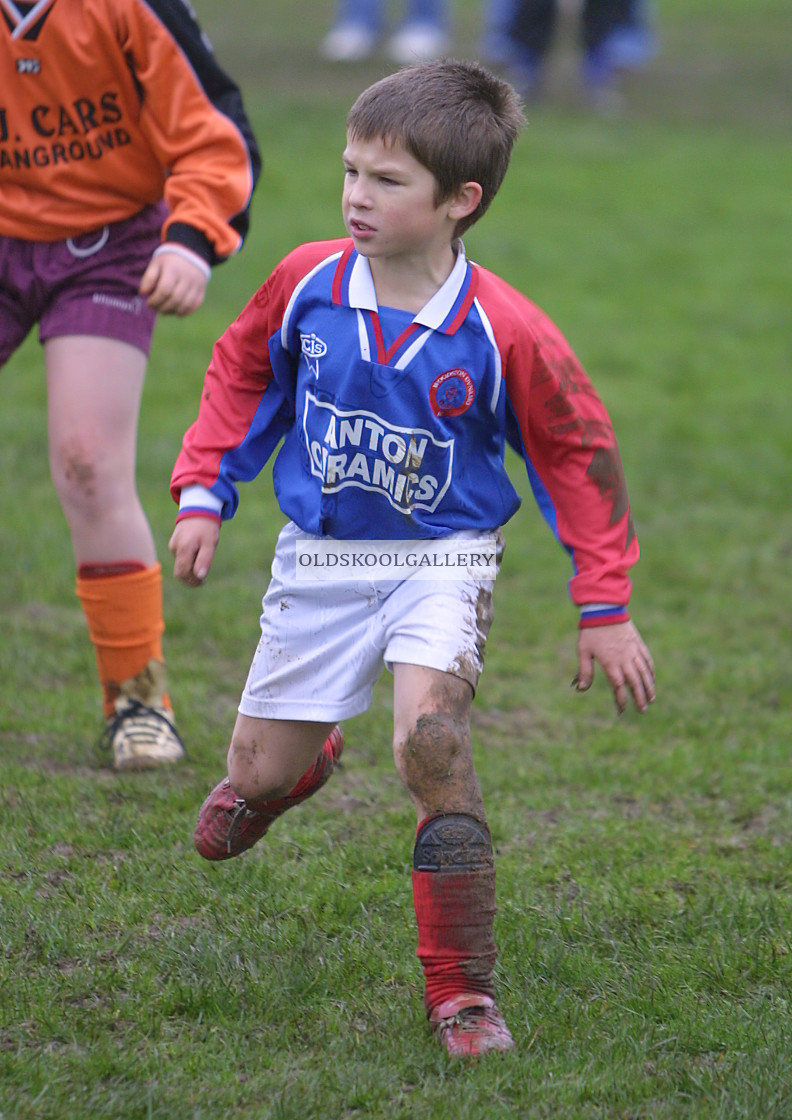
193	545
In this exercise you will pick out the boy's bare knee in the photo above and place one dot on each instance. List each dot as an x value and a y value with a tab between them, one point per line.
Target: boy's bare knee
249	781
75	472
433	743
255	774
89	485
435	755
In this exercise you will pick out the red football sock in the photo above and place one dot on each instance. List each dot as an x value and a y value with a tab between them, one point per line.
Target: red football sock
455	911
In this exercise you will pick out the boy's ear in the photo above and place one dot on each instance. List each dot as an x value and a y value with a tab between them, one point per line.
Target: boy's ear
465	201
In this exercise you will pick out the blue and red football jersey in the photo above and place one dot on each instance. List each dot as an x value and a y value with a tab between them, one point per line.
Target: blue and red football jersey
393	426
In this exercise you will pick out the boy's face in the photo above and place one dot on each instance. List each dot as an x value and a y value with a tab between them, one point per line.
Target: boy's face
388	203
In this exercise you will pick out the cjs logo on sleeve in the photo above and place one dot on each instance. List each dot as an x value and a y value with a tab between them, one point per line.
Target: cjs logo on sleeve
313	348
409	467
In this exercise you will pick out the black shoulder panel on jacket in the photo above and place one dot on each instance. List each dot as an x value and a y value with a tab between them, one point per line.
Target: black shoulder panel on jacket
221	89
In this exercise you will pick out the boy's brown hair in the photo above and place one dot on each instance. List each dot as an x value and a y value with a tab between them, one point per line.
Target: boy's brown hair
456	118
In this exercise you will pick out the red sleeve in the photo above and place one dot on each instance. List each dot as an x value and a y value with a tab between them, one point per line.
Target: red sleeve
242	409
572	454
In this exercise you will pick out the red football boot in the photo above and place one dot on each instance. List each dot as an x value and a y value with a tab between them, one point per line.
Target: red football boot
470	1025
228	825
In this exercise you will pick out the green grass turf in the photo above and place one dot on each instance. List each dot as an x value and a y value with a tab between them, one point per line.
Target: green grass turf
643	862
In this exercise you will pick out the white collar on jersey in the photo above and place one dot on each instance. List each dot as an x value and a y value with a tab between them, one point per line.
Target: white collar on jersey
433	314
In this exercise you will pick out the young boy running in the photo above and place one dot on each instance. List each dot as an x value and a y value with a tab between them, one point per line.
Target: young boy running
127	166
395	371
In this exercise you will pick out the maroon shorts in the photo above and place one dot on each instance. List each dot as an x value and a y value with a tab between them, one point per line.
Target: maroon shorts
83	285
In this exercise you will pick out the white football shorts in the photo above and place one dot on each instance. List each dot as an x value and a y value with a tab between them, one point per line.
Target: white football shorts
324	644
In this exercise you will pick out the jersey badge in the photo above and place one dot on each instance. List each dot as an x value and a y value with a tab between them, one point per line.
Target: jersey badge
452	393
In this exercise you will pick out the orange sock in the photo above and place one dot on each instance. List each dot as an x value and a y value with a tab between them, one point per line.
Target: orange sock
123	607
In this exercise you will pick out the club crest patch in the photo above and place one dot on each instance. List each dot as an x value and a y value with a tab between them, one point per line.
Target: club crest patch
452	393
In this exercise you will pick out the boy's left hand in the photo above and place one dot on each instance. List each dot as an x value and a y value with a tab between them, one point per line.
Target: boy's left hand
173	285
625	658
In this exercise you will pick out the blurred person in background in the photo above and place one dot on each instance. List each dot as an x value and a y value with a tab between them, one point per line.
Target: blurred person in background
615	36
422	33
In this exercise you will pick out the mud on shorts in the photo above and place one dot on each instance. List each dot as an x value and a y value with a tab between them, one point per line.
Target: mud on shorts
81	285
323	645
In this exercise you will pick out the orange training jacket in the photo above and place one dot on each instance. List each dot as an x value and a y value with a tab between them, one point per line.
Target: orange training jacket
107	106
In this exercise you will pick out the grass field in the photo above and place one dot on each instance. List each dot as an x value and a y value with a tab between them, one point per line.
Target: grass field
645	898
